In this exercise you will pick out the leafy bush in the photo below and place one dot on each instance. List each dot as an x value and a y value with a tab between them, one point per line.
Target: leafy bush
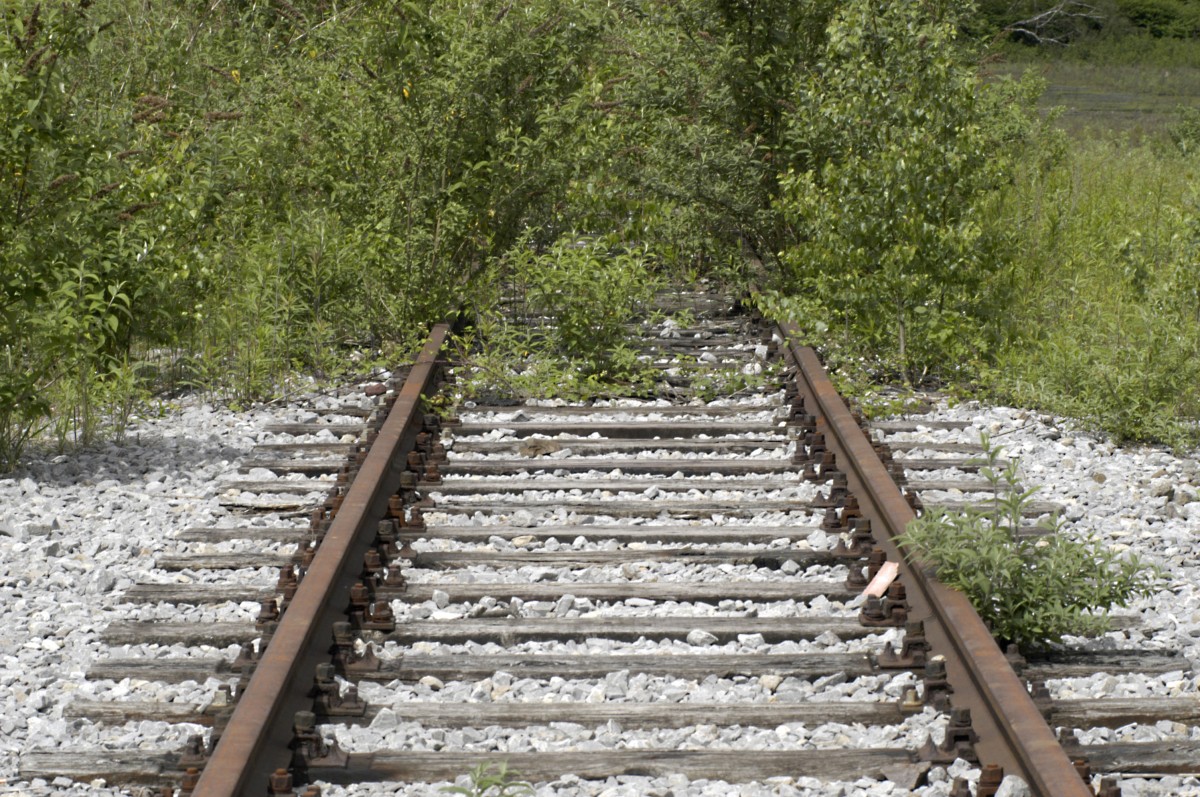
566	333
587	292
1030	590
904	146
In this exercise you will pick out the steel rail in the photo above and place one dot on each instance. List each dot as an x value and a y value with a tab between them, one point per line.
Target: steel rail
255	742
1012	732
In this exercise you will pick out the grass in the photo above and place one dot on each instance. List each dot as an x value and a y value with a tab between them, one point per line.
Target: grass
1106	326
1133	85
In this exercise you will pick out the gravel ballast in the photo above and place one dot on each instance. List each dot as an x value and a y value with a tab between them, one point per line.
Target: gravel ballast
77	530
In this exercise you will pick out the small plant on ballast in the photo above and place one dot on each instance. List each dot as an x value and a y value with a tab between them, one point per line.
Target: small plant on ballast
1030	589
491	779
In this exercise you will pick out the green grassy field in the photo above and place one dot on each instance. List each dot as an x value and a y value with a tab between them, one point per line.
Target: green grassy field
1135	87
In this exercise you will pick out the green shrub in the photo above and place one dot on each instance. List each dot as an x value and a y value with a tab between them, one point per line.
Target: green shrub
567	334
1029	590
1105	319
905	146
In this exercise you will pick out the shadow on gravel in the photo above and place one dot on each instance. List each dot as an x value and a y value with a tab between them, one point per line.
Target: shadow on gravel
140	458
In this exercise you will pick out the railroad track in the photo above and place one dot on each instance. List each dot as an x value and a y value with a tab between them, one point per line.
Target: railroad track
645	589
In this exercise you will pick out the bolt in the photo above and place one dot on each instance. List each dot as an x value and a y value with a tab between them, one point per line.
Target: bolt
861	539
287	583
937	687
379	617
317	521
394	576
1068	740
872	613
990	779
828	466
876	559
850	509
1108	788
360	596
895	605
193	753
911	704
190	778
385	538
856	581
373	563
268	611
838	490
247	659
396	506
832	523
281	782
1041	698
304	723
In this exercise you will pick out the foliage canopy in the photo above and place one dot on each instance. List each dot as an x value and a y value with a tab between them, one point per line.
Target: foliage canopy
234	192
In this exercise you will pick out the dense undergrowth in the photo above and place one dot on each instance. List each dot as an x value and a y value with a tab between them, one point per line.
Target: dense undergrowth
215	196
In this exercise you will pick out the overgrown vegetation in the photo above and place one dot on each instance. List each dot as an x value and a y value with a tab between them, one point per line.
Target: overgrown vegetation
1106	310
219	195
1031	590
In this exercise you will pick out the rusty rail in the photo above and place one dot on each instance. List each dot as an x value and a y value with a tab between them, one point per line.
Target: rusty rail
1012	732
255	742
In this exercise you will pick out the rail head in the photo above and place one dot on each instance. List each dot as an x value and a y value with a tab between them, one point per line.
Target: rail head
255	742
1013	732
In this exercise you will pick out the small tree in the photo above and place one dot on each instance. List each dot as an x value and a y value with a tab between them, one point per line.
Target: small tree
904	145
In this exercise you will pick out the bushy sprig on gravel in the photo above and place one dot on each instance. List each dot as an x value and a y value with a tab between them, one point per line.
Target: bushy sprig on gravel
1031	590
492	780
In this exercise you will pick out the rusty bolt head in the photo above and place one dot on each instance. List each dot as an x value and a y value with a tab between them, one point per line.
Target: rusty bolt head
990	779
190	778
360	596
281	782
267	610
372	561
